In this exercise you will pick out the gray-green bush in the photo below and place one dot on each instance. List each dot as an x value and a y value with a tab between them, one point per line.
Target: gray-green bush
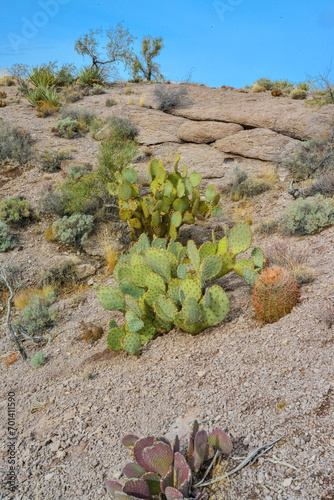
73	230
39	314
170	98
51	161
16	211
15	144
309	215
7	239
38	360
123	128
244	185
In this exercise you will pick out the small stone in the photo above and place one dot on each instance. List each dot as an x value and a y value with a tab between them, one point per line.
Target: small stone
48	476
201	373
287	482
331	442
60	454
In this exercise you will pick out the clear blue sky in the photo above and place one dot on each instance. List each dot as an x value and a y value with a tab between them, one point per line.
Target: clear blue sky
228	42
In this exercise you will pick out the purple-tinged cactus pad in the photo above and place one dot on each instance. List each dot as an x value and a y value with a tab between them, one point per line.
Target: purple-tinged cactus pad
113	486
176	445
220	441
182	474
129	440
168	480
140	445
200	448
133	470
137	488
191	439
159	457
153	482
173	494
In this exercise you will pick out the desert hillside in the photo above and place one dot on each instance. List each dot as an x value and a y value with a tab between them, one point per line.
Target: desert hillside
258	381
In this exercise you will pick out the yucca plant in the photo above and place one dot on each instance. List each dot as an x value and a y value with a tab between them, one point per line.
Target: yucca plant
42	76
90	75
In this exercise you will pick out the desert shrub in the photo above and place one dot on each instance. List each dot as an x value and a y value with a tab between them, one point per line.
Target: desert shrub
70	94
265	82
110	102
65	75
123	128
50	202
38	314
268	226
304	86
327	313
38	360
312	158
298	93
283	84
276	92
73	230
7	81
323	185
16	211
58	276
51	161
309	215
97	90
258	88
244	185
68	128
42	76
15	144
81	115
90	75
44	99
81	195
7	239
169	98
113	157
77	170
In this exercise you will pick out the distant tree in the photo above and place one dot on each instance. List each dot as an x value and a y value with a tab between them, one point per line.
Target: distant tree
323	87
144	66
118	49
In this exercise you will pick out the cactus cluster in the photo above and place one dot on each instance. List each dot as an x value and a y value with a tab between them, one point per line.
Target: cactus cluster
275	293
3	94
156	291
174	200
3	103
160	471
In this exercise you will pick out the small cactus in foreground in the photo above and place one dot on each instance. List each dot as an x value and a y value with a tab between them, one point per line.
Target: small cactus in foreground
90	332
161	471
275	293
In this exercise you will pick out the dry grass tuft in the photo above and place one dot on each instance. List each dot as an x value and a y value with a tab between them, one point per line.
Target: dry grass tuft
269	175
243	212
24	296
142	101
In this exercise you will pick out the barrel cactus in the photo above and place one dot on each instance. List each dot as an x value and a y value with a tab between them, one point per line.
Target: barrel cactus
161	471
174	200
275	293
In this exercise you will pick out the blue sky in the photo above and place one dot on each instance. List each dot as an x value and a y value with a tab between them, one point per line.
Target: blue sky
227	42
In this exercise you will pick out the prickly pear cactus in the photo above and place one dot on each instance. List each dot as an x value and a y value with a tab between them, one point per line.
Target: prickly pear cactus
275	294
174	200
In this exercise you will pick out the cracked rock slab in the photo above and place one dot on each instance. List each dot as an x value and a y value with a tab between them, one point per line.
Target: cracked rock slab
206	132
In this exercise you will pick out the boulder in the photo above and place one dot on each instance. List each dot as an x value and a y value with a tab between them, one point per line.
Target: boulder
259	143
203	132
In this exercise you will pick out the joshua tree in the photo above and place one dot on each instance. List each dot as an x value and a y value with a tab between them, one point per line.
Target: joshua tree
144	66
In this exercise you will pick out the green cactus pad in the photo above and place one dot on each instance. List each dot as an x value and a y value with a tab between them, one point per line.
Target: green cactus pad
130	175
181	272
111	299
125	214
219	306
139	274
127	287
210	193
243	264
191	288
132	343
133	322
165	308
159	262
240	238
258	257
215	200
204	209
176	219
191	311
173	232
250	276
188	218
216	211
181	204
133	305
193	254
159	243
228	262
143	244
210	268
154	280
151	295
114	339
208	248
195	179
135	223
137	260
124	191
222	246
121	271
180	188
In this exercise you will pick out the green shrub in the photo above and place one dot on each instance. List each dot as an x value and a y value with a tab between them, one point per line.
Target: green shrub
83	116
42	76
113	157
51	161
309	215
312	158
15	144
168	99
16	211
266	83
58	276
304	86
323	185
244	185
110	102
7	239
123	128
73	230
50	202
90	75
284	85
38	360
97	90
298	93
65	75
77	170
81	195
68	128
38	314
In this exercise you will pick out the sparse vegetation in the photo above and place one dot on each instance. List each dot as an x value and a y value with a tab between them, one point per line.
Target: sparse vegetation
244	186
38	315
113	157
123	128
265	82
51	160
323	185
97	90
298	93
68	128
73	230
258	88
15	144
110	102
80	195
7	238
92	75
309	215
38	360
143	67
170	98
59	276
16	211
